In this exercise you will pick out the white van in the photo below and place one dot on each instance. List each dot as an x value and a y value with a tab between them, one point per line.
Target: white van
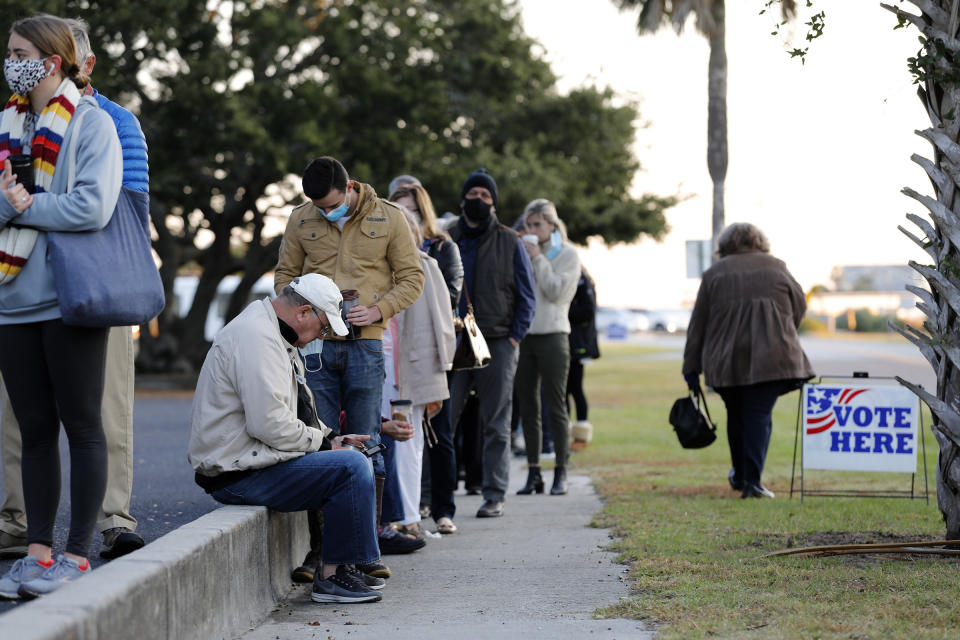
185	287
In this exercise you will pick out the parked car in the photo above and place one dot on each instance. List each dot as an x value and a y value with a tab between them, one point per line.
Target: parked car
619	322
184	288
670	320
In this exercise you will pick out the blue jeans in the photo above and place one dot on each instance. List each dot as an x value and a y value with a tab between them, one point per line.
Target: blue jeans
392	500
339	482
350	379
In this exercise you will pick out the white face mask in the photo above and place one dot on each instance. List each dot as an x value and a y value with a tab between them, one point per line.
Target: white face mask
23	76
312	348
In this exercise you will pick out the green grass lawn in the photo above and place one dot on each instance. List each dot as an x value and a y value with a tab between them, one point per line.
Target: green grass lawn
695	547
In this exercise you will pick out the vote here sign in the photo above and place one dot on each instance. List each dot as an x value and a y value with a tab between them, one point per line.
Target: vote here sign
860	428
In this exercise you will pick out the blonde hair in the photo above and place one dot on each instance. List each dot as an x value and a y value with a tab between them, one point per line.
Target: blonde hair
53	37
741	237
428	216
546	210
414	226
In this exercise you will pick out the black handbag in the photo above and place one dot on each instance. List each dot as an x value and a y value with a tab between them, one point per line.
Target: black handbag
691	420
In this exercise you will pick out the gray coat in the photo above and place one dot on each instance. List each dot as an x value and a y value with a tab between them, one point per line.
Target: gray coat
32	296
744	324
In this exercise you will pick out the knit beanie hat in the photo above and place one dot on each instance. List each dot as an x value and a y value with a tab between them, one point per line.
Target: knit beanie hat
480	178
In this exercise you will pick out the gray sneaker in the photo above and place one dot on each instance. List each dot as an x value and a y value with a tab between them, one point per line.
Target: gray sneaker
12	546
22	570
63	571
342	587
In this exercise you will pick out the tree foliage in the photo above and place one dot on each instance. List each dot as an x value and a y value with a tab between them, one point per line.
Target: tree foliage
236	97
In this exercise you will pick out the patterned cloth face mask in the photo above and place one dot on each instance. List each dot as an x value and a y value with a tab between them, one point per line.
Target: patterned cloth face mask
23	76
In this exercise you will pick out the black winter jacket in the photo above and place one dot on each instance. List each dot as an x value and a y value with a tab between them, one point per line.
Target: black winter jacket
447	255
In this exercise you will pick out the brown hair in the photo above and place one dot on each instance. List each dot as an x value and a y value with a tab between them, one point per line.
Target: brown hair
741	237
428	215
53	37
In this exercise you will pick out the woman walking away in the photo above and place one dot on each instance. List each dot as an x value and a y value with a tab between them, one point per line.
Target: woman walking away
53	372
743	337
545	351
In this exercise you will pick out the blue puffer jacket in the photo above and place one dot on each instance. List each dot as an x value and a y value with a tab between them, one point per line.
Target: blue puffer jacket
136	170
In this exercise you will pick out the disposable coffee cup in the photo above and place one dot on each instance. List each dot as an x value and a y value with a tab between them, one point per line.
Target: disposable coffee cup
401	410
530	238
22	166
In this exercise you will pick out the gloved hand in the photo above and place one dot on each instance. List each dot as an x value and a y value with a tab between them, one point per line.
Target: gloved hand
692	380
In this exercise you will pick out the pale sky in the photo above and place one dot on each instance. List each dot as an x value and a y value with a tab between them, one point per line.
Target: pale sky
818	152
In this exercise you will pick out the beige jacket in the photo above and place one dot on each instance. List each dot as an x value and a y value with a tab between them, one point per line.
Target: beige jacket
743	329
245	407
374	254
427	340
556	283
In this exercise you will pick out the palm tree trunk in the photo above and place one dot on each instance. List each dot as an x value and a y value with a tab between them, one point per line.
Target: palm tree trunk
717	114
940	239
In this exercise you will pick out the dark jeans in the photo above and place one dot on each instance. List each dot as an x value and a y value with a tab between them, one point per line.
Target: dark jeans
54	373
468	444
339	482
749	424
443	466
350	379
392	509
575	389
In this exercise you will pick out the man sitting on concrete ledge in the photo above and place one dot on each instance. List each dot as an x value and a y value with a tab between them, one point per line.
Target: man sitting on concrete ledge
251	441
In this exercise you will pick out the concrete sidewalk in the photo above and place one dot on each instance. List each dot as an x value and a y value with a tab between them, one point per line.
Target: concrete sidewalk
538	572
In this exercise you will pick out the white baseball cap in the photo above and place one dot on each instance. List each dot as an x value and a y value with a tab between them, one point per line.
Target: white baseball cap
321	292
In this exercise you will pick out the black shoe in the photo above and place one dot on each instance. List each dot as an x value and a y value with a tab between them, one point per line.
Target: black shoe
375	569
559	487
342	587
490	509
474	490
534	482
371	581
119	541
756	491
736	485
305	572
394	543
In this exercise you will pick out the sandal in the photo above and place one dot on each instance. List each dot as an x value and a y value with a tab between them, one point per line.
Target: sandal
445	525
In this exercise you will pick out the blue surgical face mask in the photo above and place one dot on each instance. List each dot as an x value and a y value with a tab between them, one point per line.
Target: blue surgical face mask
312	348
556	242
337	213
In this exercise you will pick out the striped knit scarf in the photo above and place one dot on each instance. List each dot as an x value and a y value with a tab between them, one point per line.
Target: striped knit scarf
51	127
16	243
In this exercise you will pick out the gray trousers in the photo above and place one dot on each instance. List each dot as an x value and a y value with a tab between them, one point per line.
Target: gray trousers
494	385
117	416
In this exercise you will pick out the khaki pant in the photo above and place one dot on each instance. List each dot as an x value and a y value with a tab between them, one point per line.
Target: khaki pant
117	412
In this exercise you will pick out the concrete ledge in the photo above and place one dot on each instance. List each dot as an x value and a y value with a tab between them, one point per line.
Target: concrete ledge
215	577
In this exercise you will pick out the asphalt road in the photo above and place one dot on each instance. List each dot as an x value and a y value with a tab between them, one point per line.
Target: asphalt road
164	494
830	356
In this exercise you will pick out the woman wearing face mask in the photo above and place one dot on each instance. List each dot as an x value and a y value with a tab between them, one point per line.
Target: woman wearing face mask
440	479
53	372
545	351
